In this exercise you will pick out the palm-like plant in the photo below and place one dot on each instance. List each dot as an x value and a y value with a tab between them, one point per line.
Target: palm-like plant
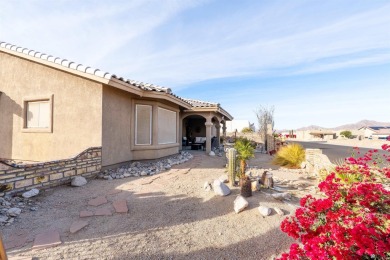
245	151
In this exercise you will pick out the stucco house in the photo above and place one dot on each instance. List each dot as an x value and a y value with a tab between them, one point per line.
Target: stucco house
53	109
375	132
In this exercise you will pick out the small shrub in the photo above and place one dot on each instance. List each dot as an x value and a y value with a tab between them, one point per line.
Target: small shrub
290	156
346	134
247	130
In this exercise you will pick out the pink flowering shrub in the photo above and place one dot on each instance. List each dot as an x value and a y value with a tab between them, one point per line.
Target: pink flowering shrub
353	220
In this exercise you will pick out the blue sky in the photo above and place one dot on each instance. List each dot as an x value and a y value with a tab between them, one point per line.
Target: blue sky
318	62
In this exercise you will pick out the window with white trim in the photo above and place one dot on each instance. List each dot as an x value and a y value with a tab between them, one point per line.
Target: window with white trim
143	124
167	126
38	114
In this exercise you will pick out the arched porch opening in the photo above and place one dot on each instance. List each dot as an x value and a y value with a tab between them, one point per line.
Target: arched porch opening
194	132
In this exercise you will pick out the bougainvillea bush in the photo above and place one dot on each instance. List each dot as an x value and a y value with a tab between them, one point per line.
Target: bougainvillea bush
352	220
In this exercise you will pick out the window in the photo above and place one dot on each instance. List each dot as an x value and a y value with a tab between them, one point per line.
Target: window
38	115
143	125
166	126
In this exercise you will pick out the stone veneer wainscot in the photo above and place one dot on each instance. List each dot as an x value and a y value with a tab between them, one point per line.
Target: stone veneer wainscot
19	178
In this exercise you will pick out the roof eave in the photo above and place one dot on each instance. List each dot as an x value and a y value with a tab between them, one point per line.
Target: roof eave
166	96
211	109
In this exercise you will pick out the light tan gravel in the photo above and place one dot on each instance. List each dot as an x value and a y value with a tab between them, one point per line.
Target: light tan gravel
366	143
170	217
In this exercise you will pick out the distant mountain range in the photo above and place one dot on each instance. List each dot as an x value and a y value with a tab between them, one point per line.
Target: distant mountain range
354	126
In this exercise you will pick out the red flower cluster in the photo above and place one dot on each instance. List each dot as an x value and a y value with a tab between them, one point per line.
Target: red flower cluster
352	221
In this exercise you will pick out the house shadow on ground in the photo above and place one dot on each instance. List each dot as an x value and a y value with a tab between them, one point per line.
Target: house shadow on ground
170	216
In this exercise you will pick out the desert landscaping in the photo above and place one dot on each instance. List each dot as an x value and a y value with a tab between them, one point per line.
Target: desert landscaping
170	215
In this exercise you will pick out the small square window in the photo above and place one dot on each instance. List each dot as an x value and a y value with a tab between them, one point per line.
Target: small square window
38	115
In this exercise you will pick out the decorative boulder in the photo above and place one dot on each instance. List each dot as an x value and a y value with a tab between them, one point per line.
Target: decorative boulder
220	188
78	181
265	211
240	203
30	193
13	212
282	196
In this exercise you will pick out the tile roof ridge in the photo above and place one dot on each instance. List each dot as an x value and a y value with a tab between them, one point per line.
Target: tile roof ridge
57	60
86	69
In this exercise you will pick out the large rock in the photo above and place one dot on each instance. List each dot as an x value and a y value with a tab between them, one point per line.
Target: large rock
220	188
265	211
13	212
240	203
78	181
282	196
30	193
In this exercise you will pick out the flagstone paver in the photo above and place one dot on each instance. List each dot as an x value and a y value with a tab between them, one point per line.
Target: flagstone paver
46	239
120	206
77	225
86	213
16	240
113	192
103	212
98	201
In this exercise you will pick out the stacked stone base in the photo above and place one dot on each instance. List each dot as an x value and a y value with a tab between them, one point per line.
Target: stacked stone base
19	178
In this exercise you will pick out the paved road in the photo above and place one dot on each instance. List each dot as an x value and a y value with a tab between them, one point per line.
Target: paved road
334	152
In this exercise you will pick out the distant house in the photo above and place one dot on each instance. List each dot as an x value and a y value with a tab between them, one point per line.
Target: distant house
238	125
52	109
375	132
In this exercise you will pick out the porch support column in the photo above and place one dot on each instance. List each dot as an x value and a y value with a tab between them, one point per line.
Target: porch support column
224	130
208	125
218	127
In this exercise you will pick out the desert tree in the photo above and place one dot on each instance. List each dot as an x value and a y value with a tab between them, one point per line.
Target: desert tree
265	117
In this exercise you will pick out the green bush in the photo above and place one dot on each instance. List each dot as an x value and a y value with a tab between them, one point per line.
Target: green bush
347	134
247	130
290	156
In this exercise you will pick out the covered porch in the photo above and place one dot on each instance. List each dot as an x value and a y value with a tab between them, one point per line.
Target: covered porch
202	127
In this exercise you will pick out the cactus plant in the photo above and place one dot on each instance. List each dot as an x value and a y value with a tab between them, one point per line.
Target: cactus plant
232	165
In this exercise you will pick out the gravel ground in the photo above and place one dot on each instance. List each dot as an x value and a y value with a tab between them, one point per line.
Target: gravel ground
170	216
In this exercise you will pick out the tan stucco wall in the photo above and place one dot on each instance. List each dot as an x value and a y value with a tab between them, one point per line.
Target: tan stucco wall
155	153
117	114
118	136
155	150
77	111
